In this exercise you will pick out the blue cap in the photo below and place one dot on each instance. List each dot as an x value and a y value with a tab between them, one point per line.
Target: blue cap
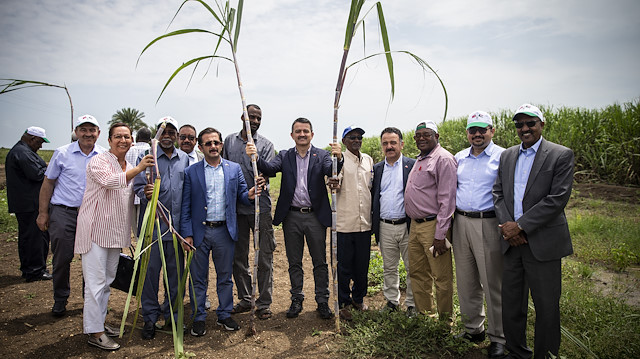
350	128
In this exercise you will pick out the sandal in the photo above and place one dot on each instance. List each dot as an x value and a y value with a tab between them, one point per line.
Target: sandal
263	314
239	308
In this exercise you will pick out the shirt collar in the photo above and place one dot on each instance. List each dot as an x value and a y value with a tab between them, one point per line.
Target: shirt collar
75	147
430	153
399	160
348	153
162	153
487	150
534	148
206	164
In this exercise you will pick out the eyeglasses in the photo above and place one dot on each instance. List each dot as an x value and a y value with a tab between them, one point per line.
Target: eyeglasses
210	143
354	137
426	135
121	137
473	130
190	137
528	123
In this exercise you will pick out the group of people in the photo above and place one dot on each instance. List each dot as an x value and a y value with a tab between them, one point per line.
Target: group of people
499	213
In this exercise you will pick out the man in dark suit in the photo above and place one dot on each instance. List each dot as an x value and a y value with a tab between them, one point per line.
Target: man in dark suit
208	222
304	211
389	221
25	173
530	193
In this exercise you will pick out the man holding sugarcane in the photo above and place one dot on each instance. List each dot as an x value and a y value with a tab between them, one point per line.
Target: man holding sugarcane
171	164
234	150
304	211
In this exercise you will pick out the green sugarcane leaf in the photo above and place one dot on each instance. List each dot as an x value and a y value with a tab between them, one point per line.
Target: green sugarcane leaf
354	13
175	33
187	64
387	47
238	19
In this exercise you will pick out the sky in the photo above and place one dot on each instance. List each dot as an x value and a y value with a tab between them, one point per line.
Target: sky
492	55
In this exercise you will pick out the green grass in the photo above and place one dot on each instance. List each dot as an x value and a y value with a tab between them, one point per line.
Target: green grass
376	274
8	222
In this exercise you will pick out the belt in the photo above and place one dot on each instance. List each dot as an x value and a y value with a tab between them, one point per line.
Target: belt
394	221
426	219
301	209
67	207
485	214
214	224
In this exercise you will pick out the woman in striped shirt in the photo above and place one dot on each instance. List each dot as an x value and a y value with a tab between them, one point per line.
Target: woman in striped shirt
104	227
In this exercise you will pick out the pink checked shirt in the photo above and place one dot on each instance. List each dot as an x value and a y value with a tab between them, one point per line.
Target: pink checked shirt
104	217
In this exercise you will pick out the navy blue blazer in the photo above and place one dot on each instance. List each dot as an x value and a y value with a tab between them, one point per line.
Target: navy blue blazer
319	166
194	199
407	165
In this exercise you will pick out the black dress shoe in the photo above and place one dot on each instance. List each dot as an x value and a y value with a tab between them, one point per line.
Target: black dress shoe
496	350
44	276
59	308
295	308
324	311
149	330
475	338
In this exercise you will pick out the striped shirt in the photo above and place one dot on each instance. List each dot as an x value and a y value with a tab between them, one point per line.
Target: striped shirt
104	217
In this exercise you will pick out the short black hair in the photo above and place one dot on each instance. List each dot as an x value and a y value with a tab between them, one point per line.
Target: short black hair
301	120
188	125
391	130
143	135
207	131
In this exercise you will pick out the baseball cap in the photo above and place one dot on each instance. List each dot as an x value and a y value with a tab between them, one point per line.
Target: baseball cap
530	110
38	132
350	128
86	119
479	119
428	124
169	120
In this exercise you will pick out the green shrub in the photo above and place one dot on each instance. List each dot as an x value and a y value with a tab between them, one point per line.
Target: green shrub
376	274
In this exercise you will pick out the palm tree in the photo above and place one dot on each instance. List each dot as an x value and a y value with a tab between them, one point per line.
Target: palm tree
131	117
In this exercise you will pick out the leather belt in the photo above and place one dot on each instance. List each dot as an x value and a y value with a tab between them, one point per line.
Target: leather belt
486	214
214	224
394	221
67	207
301	209
426	219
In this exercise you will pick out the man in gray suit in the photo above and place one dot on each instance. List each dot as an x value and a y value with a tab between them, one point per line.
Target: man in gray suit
532	188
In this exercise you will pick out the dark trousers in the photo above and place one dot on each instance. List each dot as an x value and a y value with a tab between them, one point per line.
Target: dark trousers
151	309
296	227
33	245
219	243
62	231
241	268
521	273
353	265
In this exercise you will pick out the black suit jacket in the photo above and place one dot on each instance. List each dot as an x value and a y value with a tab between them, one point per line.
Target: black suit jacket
546	194
25	173
319	166
407	165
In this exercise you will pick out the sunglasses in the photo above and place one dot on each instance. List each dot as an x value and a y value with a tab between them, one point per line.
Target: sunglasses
528	123
210	143
190	137
474	130
354	137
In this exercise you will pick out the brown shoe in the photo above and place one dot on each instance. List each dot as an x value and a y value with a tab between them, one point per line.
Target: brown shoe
345	313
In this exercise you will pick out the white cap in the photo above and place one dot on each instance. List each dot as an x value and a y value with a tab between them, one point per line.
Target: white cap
479	119
530	110
429	124
86	119
169	120
38	132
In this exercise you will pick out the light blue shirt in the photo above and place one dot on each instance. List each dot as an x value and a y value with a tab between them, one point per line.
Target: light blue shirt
171	181
392	191
214	177
301	195
68	166
475	178
521	176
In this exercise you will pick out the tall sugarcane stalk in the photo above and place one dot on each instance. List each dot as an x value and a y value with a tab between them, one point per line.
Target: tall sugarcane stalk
226	16
353	22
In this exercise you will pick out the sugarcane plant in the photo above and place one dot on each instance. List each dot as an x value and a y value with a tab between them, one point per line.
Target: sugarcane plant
229	19
353	23
154	212
9	85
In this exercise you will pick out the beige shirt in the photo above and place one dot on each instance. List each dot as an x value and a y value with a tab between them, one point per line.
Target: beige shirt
354	198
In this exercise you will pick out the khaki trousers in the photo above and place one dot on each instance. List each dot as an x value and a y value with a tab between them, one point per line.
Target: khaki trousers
426	270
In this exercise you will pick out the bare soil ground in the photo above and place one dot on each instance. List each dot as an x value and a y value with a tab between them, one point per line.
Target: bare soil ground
28	330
